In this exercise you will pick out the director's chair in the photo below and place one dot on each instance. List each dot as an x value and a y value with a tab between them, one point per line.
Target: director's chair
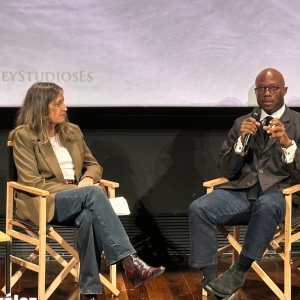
41	235
285	235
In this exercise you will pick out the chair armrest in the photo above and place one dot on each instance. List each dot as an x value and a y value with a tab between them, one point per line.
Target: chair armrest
292	189
40	192
214	182
110	184
28	189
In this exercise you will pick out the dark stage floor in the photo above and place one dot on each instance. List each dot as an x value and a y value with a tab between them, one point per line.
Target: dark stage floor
178	282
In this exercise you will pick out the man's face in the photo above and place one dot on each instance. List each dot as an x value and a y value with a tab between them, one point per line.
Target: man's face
272	98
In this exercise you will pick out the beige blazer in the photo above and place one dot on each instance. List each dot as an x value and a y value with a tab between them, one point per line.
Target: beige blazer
38	167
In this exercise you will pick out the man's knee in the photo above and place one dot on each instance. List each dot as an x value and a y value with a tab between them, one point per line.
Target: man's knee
271	205
198	205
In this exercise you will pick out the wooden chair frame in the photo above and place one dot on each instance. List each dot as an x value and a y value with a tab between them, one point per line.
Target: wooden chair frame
286	236
39	238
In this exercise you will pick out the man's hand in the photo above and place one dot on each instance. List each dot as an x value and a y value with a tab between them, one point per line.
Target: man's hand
248	126
277	131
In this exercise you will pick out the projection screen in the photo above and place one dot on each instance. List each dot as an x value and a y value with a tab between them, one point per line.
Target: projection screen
148	53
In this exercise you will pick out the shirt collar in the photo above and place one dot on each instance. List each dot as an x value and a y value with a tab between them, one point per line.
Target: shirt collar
277	114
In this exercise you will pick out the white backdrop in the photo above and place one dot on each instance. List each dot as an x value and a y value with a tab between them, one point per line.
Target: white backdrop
148	53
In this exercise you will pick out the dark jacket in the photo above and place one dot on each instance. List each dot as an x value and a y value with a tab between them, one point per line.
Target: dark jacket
263	163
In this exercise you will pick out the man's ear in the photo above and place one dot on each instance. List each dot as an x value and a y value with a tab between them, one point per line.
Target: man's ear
285	90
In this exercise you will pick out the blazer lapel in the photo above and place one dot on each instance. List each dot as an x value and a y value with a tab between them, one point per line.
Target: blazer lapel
49	156
270	142
285	119
74	151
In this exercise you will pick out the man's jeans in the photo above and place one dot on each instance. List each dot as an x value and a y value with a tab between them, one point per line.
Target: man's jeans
99	228
231	207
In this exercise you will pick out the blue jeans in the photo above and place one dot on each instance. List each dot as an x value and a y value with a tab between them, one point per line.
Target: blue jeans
99	228
232	207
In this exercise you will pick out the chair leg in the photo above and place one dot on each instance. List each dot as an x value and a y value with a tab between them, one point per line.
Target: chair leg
269	282
109	285
236	235
287	247
7	268
113	275
22	269
41	276
66	270
42	249
77	267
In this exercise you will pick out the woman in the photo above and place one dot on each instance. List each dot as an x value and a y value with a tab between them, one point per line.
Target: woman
50	154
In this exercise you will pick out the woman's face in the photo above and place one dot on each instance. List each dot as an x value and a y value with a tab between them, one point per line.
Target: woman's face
57	109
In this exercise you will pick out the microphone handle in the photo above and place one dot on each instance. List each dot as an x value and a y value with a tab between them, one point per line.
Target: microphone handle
246	142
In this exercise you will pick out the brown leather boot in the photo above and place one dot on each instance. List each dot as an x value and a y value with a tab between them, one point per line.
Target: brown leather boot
138	272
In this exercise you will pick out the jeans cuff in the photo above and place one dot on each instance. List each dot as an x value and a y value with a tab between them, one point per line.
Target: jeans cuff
120	257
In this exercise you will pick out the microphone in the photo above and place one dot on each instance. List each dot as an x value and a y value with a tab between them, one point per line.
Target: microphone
255	115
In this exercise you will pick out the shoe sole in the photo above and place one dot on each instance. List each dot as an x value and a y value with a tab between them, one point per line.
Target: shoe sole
230	297
214	296
223	296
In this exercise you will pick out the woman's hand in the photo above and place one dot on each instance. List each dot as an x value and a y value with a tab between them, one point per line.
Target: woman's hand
86	181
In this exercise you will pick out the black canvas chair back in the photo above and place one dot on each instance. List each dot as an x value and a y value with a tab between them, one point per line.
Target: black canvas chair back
12	174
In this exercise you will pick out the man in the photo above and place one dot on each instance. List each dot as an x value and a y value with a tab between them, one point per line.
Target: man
258	172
